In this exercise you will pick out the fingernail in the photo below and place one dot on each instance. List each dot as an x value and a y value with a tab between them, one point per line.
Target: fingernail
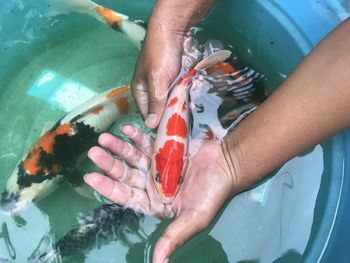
166	260
91	178
151	121
85	178
129	130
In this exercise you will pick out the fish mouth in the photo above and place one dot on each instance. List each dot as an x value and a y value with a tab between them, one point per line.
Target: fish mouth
165	199
8	202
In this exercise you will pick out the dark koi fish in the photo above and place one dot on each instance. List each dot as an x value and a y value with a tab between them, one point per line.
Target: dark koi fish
101	226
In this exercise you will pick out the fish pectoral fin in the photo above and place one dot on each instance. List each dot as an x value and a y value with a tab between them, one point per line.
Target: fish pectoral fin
85	191
212	59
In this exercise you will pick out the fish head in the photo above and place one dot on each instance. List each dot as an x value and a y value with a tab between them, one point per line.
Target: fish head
168	168
22	189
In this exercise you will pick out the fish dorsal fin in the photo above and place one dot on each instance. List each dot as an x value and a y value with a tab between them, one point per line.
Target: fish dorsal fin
92	103
57	7
213	59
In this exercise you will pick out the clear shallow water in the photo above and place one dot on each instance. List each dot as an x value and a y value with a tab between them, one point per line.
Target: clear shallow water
97	59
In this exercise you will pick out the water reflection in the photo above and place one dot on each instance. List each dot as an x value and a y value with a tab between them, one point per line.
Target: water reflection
60	92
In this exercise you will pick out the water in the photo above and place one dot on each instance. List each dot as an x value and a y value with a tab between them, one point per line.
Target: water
269	222
52	83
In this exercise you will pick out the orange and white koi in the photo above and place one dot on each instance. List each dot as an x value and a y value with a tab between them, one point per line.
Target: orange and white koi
132	29
171	144
59	149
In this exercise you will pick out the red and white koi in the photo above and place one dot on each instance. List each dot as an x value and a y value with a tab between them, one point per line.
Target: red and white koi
133	30
59	149
171	145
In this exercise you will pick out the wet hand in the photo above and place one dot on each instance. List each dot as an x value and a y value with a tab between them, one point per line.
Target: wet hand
157	66
207	185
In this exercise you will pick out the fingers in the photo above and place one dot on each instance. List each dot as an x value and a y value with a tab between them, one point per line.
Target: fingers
117	169
154	71
158	91
150	93
140	93
125	151
119	193
141	139
177	233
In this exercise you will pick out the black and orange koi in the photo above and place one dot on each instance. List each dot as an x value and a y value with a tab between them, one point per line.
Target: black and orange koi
59	149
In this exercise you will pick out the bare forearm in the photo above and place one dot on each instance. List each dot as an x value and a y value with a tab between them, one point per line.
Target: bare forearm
311	105
179	15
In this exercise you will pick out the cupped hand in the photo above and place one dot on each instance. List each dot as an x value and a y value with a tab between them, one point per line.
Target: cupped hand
209	182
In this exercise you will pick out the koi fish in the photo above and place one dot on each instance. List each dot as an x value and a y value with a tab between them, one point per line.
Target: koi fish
171	144
101	226
58	150
134	30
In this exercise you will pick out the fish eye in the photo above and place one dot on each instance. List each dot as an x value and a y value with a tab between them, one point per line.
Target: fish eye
157	178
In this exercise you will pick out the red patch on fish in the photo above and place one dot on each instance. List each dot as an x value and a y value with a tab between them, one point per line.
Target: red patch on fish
64	129
123	105
31	164
109	16
116	92
176	126
97	110
169	165
224	67
172	102
187	76
46	143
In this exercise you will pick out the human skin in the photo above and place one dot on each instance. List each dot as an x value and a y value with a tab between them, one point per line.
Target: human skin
159	60
311	105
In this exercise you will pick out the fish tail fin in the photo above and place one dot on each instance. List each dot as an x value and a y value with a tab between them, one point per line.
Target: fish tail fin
213	59
133	30
58	7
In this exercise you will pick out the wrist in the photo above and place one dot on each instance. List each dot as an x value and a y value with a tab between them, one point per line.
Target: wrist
230	162
178	16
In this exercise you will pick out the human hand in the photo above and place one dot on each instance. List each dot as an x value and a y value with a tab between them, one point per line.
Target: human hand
157	66
160	59
207	185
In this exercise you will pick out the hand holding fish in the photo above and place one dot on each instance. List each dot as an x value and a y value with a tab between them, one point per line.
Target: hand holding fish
208	184
160	58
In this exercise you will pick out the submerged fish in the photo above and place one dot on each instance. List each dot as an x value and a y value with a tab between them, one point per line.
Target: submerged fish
59	149
101	226
132	29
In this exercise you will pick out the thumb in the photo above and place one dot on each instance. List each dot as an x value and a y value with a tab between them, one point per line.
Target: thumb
177	233
158	94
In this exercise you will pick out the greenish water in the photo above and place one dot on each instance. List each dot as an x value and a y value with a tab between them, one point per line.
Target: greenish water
273	221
